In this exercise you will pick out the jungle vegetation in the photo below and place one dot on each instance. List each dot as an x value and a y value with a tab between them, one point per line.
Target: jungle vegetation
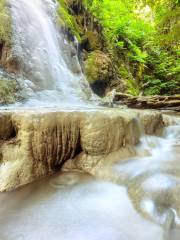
148	33
144	33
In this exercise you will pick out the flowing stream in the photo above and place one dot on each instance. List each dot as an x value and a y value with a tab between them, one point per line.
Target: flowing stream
143	205
50	74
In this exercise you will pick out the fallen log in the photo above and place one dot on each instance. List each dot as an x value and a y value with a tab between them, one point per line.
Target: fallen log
152	102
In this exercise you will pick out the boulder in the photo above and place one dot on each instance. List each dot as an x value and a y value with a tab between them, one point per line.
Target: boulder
99	71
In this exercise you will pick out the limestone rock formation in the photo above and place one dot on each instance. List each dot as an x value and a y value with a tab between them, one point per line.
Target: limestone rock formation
152	121
36	144
41	143
108	131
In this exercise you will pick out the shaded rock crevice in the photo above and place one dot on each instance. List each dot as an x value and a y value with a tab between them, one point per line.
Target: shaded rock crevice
8	129
1	49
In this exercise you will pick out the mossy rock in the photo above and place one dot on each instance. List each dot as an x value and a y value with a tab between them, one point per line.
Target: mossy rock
90	41
98	67
5	23
99	71
9	91
67	20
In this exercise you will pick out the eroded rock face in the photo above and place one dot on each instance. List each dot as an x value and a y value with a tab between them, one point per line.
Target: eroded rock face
6	127
8	61
106	132
42	143
152	121
36	144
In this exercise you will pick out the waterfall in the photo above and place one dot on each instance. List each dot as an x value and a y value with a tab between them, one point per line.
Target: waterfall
49	69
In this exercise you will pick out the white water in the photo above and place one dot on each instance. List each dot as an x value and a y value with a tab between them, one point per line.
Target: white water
47	61
153	180
89	210
73	205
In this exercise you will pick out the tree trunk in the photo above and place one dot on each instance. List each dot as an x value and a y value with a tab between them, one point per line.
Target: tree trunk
153	102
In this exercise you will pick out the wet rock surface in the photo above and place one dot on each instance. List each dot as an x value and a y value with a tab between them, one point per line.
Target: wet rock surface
36	144
152	122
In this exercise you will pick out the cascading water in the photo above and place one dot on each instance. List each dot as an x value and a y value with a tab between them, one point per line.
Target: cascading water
47	78
153	180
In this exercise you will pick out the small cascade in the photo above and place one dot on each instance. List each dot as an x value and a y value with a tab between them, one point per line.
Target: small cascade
154	186
49	69
152	179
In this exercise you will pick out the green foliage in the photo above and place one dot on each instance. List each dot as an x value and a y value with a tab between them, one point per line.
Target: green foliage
132	87
120	44
160	87
123	72
66	19
166	21
147	33
5	23
136	54
131	84
165	73
122	28
8	91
